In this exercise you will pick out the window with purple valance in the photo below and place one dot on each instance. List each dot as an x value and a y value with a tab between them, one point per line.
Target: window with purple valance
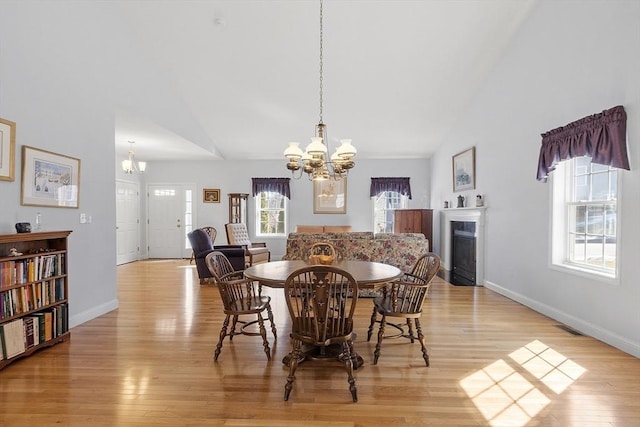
602	136
398	184
275	185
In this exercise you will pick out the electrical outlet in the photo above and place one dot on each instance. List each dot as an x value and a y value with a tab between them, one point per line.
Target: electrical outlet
83	218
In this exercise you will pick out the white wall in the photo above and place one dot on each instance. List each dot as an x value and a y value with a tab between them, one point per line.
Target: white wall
47	88
65	68
571	59
235	177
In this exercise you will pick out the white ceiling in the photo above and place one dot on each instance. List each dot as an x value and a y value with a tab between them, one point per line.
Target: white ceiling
397	73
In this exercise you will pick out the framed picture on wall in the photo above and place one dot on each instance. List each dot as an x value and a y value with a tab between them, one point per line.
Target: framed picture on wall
330	196
211	195
7	149
49	179
464	170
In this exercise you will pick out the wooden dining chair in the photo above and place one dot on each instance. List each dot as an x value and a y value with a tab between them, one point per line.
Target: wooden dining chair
240	297
403	299
426	267
321	301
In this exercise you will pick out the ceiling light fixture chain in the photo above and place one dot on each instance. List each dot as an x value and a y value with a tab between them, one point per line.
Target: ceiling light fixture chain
321	61
315	160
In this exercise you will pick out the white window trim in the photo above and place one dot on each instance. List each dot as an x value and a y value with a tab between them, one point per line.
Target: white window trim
558	230
404	201
256	202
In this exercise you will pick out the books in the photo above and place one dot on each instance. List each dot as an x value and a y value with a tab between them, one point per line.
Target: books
33	293
30	334
12	338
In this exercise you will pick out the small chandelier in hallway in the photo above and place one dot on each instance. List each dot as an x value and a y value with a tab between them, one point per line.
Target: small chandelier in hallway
129	165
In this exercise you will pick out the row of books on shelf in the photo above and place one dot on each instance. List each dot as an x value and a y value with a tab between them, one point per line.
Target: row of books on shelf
31	269
18	336
31	297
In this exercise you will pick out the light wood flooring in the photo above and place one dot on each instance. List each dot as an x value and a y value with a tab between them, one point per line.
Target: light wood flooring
149	363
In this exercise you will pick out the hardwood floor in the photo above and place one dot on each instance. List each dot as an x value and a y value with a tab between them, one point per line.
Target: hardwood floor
493	362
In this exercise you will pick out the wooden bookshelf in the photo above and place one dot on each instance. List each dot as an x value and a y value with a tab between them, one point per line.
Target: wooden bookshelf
34	296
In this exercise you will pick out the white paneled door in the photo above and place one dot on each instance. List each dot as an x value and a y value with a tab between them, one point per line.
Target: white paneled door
127	222
168	220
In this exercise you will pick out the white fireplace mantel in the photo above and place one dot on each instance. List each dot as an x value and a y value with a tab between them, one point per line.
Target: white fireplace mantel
473	214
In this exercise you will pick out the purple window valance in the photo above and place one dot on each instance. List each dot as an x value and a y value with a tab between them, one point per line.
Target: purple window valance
602	136
398	184
274	185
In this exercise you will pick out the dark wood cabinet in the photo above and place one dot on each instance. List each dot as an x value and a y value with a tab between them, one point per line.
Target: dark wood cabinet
414	221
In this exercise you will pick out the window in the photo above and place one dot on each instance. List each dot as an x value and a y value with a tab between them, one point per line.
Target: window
188	216
584	218
271	214
383	205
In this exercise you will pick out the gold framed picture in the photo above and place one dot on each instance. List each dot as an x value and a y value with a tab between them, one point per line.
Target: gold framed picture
49	179
211	195
7	150
330	196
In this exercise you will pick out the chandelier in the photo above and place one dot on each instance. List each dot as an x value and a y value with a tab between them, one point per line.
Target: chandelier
315	160
129	164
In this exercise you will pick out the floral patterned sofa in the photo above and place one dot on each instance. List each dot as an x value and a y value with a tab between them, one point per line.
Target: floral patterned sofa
401	250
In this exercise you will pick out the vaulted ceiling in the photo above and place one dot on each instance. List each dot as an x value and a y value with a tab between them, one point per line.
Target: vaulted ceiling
397	73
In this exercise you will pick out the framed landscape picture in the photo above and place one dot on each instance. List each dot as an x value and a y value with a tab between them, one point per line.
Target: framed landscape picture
330	196
211	195
7	149
464	170
49	179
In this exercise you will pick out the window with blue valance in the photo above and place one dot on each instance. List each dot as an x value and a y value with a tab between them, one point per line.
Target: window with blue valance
398	184
273	185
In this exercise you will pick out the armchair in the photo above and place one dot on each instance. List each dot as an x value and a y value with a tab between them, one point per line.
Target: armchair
255	253
202	245
212	232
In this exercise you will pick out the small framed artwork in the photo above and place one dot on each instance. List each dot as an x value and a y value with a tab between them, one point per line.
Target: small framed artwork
330	196
211	195
49	179
464	170
7	150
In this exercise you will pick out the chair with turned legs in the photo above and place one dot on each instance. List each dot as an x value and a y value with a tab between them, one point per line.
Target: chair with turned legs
240	297
403	299
321	301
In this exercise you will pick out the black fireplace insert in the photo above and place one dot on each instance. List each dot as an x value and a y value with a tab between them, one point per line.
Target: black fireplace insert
463	253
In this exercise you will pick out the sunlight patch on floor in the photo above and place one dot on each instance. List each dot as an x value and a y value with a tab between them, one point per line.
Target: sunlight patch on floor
505	397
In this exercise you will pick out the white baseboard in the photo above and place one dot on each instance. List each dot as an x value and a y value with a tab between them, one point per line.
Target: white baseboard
581	325
94	312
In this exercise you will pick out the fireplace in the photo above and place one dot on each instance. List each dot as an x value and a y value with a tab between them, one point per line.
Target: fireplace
476	216
463	253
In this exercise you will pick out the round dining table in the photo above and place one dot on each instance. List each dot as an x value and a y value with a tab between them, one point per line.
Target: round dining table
368	274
